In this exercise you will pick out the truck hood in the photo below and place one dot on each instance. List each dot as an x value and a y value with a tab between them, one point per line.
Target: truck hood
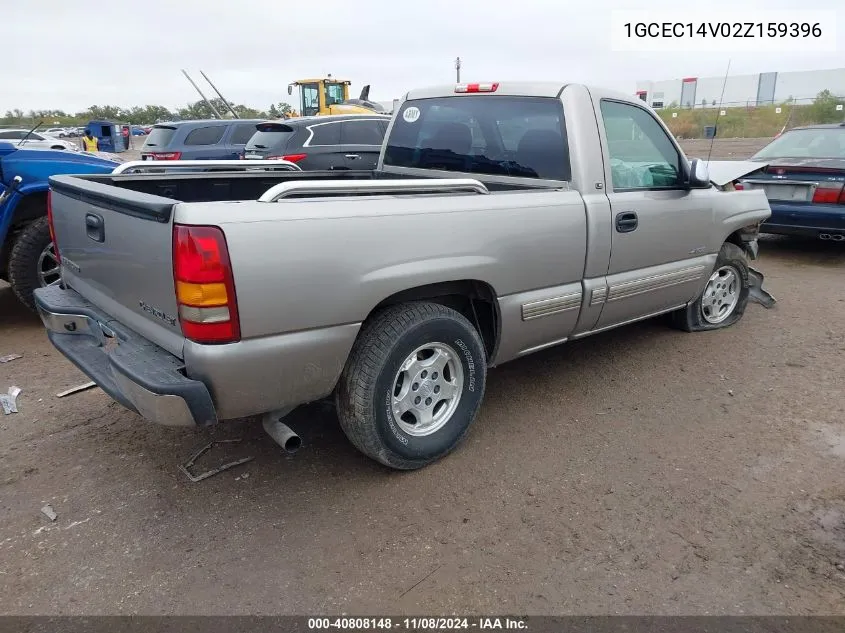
723	172
36	165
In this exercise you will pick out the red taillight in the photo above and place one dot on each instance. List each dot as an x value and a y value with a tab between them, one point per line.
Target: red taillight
828	194
164	156
477	87
293	158
205	287
50	224
739	186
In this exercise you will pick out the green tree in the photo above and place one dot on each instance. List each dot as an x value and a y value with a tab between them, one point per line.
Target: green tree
823	109
104	113
284	108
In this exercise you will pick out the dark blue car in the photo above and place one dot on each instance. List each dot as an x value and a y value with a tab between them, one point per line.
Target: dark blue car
199	140
804	180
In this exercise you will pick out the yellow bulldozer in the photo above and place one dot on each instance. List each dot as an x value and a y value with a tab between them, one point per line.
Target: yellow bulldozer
331	96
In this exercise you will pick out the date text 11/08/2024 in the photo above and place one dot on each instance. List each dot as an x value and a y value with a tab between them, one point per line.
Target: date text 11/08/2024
418	624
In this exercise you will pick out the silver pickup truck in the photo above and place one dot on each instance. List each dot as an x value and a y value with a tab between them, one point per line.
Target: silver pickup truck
502	219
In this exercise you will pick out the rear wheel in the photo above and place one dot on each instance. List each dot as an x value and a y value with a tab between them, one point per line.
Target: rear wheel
725	296
33	262
412	385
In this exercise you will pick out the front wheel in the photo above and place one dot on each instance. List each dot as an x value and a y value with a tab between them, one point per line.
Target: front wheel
725	296
413	384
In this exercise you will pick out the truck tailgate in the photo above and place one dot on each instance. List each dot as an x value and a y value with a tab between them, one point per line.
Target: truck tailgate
116	249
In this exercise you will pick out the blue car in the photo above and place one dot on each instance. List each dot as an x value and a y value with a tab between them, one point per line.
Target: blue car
214	139
27	258
804	180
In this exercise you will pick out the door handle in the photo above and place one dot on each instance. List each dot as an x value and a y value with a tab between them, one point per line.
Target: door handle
95	228
626	222
352	156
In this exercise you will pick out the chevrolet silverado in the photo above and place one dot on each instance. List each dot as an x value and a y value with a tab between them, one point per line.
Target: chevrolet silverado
502	219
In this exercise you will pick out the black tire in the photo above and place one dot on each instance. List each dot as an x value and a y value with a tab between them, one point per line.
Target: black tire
58	147
692	318
366	387
24	260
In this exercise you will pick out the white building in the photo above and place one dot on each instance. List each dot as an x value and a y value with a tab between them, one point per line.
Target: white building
742	90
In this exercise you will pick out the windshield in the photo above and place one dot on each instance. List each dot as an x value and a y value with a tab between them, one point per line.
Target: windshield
483	134
160	136
809	143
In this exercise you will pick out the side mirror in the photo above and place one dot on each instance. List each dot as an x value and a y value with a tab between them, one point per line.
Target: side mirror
699	174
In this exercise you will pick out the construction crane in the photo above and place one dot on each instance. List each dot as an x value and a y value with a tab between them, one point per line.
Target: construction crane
331	96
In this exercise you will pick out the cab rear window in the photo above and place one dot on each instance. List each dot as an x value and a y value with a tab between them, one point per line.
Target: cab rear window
160	136
482	134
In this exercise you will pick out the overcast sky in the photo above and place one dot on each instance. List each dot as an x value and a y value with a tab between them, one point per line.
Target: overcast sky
253	48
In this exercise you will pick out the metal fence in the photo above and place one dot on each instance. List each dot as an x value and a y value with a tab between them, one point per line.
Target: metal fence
750	120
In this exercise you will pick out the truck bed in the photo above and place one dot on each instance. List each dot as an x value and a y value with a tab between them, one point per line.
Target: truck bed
231	187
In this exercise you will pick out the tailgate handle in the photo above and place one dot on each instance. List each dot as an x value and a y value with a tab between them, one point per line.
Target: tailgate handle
94	227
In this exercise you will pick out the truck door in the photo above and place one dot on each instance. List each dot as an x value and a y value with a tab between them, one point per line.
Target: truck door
660	255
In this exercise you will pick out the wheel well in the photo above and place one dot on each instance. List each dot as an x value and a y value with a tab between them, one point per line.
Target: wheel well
31	207
735	238
474	299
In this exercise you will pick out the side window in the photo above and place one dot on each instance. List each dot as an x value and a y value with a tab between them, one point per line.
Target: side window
12	135
334	94
33	136
205	135
361	133
325	134
242	133
642	155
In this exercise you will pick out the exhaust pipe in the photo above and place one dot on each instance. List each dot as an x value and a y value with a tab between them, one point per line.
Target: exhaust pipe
836	237
281	433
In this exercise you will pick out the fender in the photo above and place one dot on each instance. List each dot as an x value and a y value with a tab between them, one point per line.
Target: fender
7	211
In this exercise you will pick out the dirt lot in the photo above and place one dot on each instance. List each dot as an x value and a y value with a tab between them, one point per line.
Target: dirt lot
640	471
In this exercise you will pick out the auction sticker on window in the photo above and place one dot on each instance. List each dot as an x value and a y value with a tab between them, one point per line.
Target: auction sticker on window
411	114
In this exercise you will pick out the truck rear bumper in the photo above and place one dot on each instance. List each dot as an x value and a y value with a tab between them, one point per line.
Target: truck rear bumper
140	375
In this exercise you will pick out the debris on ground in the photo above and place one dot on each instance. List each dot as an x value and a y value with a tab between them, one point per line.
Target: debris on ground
9	357
8	400
48	512
185	468
83	387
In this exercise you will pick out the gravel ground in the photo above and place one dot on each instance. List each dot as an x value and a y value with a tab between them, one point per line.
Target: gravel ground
644	470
